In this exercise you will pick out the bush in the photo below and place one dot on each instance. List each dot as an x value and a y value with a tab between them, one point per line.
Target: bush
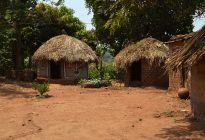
93	72
42	88
6	62
95	83
109	72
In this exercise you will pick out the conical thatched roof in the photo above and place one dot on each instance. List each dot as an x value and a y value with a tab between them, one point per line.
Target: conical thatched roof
149	48
192	52
66	48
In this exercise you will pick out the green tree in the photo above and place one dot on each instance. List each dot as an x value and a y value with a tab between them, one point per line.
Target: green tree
13	17
49	21
88	36
25	25
6	61
122	21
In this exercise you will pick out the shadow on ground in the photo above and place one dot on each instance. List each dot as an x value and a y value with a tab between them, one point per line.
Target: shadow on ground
3	80
14	89
192	131
12	93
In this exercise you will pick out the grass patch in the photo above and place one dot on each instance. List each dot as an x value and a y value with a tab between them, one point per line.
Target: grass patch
42	89
95	83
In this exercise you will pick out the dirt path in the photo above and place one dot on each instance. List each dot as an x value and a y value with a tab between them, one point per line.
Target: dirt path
94	114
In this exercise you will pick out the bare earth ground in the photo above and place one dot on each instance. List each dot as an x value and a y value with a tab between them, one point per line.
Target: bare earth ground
74	113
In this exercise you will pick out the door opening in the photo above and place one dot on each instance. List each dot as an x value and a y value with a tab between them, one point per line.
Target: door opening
136	71
55	70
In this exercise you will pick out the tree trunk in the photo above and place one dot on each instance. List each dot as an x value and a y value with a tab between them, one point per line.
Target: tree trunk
30	61
101	68
19	60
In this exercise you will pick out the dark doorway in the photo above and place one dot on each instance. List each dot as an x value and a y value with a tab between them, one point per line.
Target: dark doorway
136	71
55	70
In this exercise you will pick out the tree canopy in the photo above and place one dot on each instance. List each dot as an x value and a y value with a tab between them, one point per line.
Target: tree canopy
26	24
122	21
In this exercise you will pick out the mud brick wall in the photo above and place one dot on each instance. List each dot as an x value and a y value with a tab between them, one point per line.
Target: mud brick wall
70	71
43	69
175	80
151	75
198	91
154	75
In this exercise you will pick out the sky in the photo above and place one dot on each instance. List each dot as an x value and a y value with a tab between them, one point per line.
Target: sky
83	14
81	11
198	23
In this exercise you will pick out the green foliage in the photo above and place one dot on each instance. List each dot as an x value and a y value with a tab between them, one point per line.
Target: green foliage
42	88
14	17
93	72
155	16
119	22
88	36
6	62
25	25
101	50
108	72
95	83
49	21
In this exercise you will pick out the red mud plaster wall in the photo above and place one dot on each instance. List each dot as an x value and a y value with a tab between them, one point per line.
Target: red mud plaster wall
175	77
174	81
154	75
198	91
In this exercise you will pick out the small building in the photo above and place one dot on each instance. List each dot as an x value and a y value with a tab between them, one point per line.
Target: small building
192	57
143	63
63	58
178	78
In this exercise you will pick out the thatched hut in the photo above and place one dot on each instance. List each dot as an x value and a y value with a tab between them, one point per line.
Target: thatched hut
143	63
192	57
177	79
63	57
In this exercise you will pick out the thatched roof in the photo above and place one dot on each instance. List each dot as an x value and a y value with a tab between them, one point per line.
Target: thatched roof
193	52
181	37
149	48
66	48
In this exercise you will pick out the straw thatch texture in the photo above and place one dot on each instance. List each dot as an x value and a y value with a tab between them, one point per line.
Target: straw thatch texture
149	48
181	37
66	48
192	52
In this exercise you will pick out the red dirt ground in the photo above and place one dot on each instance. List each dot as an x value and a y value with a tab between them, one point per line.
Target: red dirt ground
74	113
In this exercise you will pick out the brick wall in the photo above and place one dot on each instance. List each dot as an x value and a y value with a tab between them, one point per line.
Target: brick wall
43	69
154	75
175	80
67	70
70	71
151	75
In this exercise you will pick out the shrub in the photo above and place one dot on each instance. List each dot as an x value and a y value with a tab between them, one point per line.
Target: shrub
95	83
6	62
93	72
42	88
108	70
119	75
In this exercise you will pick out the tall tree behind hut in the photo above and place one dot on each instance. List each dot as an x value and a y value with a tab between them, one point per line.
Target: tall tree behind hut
26	24
122	21
15	16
